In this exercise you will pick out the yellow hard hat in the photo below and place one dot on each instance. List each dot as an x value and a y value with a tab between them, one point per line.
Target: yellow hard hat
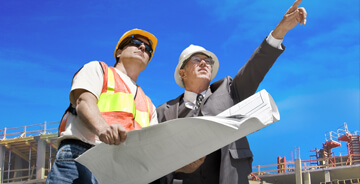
152	39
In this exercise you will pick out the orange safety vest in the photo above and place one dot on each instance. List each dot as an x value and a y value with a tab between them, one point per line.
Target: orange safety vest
117	105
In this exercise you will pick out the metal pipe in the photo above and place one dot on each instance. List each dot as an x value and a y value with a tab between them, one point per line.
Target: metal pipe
8	177
44	127
2	168
49	157
4	133
29	162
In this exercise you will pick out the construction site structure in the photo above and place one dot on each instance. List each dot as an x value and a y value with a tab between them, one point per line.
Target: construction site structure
324	166
26	153
333	140
352	143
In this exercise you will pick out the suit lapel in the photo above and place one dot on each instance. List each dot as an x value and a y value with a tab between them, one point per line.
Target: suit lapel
172	110
207	96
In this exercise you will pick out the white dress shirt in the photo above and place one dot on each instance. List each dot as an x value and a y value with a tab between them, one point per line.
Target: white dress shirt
190	99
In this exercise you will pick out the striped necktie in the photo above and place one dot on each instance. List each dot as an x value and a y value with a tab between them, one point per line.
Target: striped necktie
199	98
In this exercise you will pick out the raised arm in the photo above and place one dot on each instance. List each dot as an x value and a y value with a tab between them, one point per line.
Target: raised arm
248	78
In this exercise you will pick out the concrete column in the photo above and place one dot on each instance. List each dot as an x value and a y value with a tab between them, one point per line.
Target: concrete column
40	159
327	176
18	165
2	161
307	178
298	174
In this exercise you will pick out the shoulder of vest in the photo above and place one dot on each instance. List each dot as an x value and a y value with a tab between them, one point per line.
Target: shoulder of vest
143	93
140	91
104	66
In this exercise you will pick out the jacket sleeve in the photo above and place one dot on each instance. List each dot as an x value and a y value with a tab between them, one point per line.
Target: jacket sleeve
248	78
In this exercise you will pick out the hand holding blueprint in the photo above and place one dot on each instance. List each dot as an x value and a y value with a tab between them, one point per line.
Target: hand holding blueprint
154	151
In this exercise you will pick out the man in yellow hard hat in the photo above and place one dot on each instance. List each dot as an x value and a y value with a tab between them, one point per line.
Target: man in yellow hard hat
196	68
105	102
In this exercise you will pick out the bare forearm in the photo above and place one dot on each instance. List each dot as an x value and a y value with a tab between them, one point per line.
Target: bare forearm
279	33
89	114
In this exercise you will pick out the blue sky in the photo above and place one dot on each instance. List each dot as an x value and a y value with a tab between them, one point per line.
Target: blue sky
315	82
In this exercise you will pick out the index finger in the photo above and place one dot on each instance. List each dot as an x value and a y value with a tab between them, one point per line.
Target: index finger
295	5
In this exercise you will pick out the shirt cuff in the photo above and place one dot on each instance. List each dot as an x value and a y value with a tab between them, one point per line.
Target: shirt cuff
276	43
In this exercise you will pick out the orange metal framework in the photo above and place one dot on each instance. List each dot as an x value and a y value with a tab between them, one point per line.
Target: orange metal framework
281	164
342	134
352	143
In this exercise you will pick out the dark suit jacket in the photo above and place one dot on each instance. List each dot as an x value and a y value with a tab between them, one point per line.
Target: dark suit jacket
236	158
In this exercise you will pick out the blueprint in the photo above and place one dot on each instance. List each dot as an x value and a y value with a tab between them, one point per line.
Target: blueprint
154	151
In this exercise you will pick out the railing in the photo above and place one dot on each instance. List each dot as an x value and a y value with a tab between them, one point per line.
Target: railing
30	130
29	175
330	136
343	130
22	177
289	166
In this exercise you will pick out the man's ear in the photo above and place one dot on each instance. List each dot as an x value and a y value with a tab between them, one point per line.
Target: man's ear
182	73
118	53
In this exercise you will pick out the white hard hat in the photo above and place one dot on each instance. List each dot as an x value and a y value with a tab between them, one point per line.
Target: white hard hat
187	53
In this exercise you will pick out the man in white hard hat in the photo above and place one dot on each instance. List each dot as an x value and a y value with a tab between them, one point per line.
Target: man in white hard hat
194	72
105	102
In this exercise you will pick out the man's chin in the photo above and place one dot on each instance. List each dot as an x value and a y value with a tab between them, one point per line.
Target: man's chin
204	78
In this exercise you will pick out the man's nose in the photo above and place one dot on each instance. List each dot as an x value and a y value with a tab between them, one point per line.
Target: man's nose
202	62
142	47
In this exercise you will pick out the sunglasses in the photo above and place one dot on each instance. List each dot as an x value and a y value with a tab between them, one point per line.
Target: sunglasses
197	60
137	43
